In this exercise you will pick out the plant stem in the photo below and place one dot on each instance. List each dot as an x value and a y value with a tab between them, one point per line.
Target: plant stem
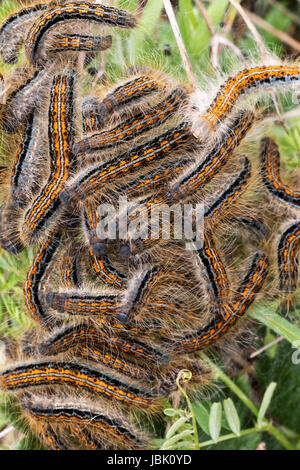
219	374
226	437
181	375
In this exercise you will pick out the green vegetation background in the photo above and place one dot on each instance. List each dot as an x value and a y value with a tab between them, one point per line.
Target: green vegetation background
257	407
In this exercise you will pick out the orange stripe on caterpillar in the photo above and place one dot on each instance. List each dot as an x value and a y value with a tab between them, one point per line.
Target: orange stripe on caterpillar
287	258
102	267
47	204
230	193
215	269
270	172
95	112
13	29
126	164
48	437
70	11
155	206
130	357
201	173
70	274
20	377
79	42
70	337
35	276
155	179
246	80
114	430
218	326
130	128
83	303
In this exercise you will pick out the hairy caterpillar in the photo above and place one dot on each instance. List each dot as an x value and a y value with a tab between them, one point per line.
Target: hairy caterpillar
270	171
238	85
74	374
217	327
32	285
130	128
73	11
111	429
79	42
22	187
287	258
24	98
13	29
95	111
201	173
46	205
83	303
156	149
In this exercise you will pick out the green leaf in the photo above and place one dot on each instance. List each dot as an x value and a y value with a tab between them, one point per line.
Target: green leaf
283	369
173	440
30	442
172	412
187	19
202	416
215	420
265	403
175	426
232	416
199	39
145	28
264	313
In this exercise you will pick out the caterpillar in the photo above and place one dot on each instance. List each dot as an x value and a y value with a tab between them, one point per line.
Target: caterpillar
95	112
70	272
79	42
130	128
238	85
37	271
23	99
248	289
215	269
22	187
46	205
201	173
287	258
73	11
83	303
231	191
156	149
136	293
111	429
103	268
270	171
74	335
26	376
13	29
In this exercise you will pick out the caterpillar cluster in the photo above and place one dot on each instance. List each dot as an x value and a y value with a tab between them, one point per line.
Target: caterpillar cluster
117	319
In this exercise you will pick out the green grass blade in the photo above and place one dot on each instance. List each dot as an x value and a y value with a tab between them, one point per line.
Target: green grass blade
263	313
